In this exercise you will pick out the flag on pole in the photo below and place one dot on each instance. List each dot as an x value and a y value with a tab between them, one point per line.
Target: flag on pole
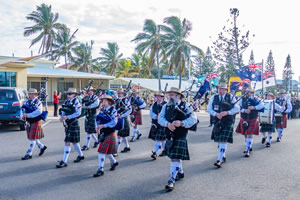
269	80
203	89
251	72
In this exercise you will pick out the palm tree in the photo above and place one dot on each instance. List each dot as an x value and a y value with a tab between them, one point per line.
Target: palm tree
83	60
46	24
139	64
111	58
178	49
63	45
126	69
149	44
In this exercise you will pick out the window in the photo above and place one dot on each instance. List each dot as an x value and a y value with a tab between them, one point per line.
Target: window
63	87
35	85
8	79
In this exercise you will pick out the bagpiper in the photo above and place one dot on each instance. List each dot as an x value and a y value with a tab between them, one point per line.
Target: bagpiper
249	124
137	104
90	103
222	107
124	109
281	116
68	115
33	123
177	117
106	121
157	132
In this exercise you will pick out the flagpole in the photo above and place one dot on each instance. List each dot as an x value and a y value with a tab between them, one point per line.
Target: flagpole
262	76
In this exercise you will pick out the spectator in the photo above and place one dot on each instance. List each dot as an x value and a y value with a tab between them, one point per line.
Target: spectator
55	102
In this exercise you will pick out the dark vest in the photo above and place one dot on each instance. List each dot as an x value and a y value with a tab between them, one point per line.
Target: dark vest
221	106
280	102
249	102
172	114
69	108
90	101
156	108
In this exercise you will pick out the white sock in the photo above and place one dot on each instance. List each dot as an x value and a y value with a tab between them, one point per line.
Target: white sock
125	140
270	138
137	131
157	146
67	151
279	130
101	159
88	139
40	145
77	148
222	150
95	138
249	144
174	168
111	158
180	167
31	147
119	143
134	132
264	135
163	146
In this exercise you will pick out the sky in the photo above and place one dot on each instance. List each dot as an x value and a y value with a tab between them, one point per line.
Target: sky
274	23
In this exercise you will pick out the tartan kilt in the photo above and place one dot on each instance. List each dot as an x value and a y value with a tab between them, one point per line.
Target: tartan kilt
90	124
267	127
283	123
36	131
138	117
179	149
109	145
253	127
225	135
125	132
157	134
73	132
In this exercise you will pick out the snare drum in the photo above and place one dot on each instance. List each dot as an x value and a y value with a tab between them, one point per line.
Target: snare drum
267	116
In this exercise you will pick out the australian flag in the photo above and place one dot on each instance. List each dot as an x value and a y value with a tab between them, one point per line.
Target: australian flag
251	72
203	89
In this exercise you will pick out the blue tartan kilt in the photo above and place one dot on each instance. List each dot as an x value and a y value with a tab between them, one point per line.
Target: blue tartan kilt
157	133
125	132
73	132
225	135
90	124
267	127
179	149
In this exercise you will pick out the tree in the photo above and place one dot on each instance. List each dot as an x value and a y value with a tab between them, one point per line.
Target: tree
287	73
231	43
45	23
139	64
175	43
125	69
63	45
83	60
110	57
149	44
208	65
270	64
251	60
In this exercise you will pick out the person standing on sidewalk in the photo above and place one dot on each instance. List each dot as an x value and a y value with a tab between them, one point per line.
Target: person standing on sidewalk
56	102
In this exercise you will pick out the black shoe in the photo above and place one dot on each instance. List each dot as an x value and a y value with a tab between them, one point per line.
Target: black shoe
153	156
163	153
99	173
139	135
224	160
179	176
61	164
278	139
113	166
115	155
79	158
26	157
42	150
247	154
126	149
251	149
170	186
95	144
132	139
84	148
218	164
263	140
268	144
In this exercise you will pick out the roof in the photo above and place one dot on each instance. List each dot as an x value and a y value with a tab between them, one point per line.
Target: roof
63	73
64	66
294	82
152	84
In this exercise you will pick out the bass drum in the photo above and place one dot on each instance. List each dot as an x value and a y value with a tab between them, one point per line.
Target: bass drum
267	116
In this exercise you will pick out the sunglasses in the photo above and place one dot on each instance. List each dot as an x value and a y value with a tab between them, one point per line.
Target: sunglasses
70	94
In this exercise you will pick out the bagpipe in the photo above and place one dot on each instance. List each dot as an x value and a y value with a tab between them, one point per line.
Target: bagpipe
103	118
67	109
85	99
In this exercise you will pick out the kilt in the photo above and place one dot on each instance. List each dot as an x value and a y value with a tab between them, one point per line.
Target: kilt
73	132
253	127
267	127
157	134
179	149
90	124
36	131
125	132
283	122
109	145
225	135
138	117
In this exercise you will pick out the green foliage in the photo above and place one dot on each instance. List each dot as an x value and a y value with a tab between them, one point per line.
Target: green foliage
110	58
287	73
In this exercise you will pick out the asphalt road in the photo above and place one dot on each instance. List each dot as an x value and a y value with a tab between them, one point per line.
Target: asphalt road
272	173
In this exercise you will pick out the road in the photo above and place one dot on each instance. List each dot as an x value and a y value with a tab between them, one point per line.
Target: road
272	173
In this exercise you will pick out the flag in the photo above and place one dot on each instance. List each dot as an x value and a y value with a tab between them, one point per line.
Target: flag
252	72
203	89
269	80
214	75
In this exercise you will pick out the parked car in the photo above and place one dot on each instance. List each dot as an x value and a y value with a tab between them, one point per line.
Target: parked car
11	100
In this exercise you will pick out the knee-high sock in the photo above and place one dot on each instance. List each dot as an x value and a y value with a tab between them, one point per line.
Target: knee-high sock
249	142
264	134
101	159
111	158
94	137
119	142
180	167
77	148
174	168
40	145
222	150
88	139
31	147
125	140
270	137
134	132
163	146
67	151
279	130
157	146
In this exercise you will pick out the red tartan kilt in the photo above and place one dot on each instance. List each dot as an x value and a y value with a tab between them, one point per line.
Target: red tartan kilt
253	128
36	131
109	145
138	117
283	123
